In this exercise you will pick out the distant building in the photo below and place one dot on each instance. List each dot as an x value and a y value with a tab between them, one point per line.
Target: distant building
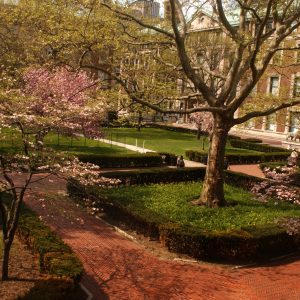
146	8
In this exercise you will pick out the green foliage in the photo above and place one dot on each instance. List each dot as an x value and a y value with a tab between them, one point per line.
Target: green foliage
253	140
242	230
136	160
272	165
158	175
162	140
56	258
234	157
243	144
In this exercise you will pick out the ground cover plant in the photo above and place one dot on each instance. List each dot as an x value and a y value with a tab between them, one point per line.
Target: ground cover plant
163	140
245	229
159	201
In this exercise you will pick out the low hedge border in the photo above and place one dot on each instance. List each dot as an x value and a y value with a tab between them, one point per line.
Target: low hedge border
256	146
168	175
123	160
183	130
56	259
247	244
157	175
241	158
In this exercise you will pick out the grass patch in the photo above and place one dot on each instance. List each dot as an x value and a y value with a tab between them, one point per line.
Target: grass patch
171	203
245	230
10	141
164	140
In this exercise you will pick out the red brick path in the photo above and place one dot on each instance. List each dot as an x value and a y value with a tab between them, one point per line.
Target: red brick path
119	269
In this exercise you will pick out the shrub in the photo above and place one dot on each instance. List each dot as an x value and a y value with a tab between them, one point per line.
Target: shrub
256	146
169	159
159	175
252	140
123	160
55	257
240	158
272	165
231	244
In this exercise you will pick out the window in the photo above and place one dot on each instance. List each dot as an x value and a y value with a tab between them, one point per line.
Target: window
274	85
271	122
296	88
269	26
294	121
298	54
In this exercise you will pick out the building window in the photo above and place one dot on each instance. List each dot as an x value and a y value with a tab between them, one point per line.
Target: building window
271	122
274	86
298	54
294	121
296	88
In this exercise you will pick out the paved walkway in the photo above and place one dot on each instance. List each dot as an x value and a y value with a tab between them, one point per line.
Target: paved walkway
120	269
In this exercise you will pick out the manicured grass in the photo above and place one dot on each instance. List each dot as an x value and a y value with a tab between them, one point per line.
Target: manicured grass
163	203
10	141
163	140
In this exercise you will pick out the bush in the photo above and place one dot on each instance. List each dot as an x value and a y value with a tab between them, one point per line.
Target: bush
256	146
243	245
123	160
232	244
240	158
272	165
169	159
159	175
252	140
55	257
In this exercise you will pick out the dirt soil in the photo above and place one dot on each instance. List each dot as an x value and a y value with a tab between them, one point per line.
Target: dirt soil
23	272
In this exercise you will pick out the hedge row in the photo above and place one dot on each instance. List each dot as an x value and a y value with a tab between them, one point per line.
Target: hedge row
55	258
256	146
123	160
183	130
159	175
133	160
168	175
247	244
240	158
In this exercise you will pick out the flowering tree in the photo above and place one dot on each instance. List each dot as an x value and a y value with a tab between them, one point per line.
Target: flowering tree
279	187
12	192
58	100
203	121
64	100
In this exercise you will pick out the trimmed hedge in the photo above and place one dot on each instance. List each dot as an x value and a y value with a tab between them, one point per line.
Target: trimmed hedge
253	140
169	159
240	158
159	175
168	175
55	257
256	146
246	244
123	160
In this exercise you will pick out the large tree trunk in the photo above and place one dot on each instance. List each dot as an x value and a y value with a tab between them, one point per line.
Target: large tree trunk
213	185
5	261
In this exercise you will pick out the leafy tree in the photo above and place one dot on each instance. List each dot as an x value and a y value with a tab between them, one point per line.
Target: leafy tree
148	58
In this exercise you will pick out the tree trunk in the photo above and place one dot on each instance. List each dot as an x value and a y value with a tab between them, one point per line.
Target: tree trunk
213	185
5	262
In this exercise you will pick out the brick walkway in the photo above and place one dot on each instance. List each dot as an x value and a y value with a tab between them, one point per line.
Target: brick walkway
120	269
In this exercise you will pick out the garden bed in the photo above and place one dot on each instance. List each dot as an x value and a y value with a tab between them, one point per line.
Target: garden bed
59	267
246	230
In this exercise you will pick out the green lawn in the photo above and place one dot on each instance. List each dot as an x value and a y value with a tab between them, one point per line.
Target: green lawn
11	141
162	203
163	140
